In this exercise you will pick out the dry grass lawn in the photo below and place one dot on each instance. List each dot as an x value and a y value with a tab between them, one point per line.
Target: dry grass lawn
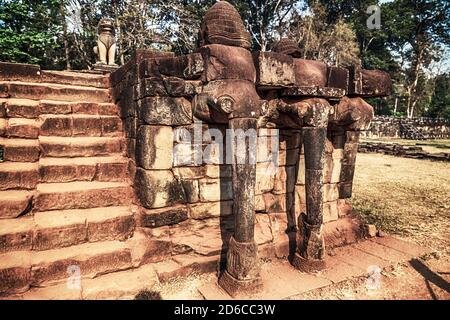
408	197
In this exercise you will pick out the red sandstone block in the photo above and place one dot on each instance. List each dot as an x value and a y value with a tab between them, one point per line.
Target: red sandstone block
3	127
54	107
15	175
87	126
4	87
223	62
111	127
20	150
16	234
117	171
85	108
76	78
22	108
56	126
81	195
57	92
14	203
57	229
115	223
19	71
91	258
108	109
15	272
22	128
310	73
80	146
61	170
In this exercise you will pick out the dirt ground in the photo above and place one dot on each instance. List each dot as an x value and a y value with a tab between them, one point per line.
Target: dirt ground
432	146
409	198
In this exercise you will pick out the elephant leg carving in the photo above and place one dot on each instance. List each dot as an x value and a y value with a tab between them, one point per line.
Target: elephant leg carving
242	273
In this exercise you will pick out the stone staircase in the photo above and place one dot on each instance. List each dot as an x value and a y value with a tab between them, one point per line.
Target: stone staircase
65	195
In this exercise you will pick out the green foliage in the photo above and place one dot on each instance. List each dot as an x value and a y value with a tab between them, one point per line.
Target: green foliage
440	102
29	31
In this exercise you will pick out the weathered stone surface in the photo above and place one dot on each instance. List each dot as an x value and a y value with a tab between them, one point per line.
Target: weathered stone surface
215	189
81	195
186	173
54	107
22	108
39	91
154	147
149	245
330	211
265	177
18	175
330	192
22	128
178	87
338	78
14	203
112	223
288	157
149	87
369	83
188	66
323	92
165	111
75	78
191	190
154	218
120	285
310	73
224	62
274	70
218	171
222	24
19	71
16	234
206	237
15	274
20	150
92	259
284	180
158	188
211	209
58	229
80	146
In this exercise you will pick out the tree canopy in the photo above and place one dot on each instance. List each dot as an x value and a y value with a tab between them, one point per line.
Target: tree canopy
412	43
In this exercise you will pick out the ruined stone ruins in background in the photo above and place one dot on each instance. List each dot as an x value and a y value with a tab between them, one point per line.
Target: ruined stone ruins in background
416	128
90	177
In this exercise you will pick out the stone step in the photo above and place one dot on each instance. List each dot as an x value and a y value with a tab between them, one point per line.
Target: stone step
18	175
14	203
20	150
21	269
50	91
81	125
64	228
19	128
80	146
61	107
81	195
75	78
123	285
112	168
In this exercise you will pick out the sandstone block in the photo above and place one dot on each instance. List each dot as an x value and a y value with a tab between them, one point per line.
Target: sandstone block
211	209
158	188
14	203
274	69
155	218
165	111
284	180
22	108
154	147
225	62
22	128
18	175
215	189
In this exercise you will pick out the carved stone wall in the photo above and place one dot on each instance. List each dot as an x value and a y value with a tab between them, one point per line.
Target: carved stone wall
187	193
